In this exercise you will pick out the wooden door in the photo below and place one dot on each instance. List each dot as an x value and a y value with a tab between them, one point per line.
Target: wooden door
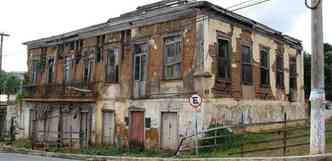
140	70
136	131
169	130
108	128
84	129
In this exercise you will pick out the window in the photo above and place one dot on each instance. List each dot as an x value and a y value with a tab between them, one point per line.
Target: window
147	122
127	121
265	66
246	65
173	54
280	71
60	49
88	64
292	74
50	70
34	71
224	59
71	45
98	54
67	69
112	65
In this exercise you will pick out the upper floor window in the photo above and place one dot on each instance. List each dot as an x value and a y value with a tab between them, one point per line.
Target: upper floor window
265	66
280	71
173	56
50	71
112	65
292	74
34	71
224	59
67	68
99	54
88	63
246	65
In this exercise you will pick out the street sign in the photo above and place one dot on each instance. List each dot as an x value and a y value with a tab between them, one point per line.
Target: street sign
195	101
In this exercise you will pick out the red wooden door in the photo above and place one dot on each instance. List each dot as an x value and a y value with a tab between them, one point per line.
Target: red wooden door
136	136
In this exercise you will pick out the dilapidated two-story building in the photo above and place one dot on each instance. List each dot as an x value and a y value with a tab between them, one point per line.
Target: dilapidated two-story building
127	81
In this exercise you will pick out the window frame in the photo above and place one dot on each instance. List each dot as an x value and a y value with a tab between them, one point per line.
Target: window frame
50	69
227	59
88	61
292	64
34	71
67	68
178	60
245	82
115	65
265	68
280	71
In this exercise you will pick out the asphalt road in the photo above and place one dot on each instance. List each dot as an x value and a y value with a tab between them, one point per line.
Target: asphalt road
20	157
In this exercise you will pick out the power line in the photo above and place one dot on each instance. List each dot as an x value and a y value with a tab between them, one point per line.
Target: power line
239	4
250	5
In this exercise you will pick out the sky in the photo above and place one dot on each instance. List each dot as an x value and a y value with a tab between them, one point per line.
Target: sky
34	19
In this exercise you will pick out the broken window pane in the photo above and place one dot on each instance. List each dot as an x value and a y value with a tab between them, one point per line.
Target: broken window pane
173	55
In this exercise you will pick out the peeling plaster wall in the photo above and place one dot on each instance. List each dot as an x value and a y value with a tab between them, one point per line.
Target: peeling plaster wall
222	111
234	30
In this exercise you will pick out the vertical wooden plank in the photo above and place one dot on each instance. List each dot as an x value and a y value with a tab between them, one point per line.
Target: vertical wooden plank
136	136
169	130
108	127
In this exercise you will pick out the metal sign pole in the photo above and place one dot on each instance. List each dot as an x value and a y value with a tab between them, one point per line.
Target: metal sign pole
196	133
195	101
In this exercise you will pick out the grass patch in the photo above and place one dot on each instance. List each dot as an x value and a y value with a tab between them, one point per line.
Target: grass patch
22	143
113	151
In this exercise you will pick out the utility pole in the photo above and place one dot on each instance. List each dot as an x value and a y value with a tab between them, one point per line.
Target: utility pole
317	95
2	35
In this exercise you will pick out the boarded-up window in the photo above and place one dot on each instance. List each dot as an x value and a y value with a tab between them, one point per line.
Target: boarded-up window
265	70
246	65
280	71
224	59
112	65
292	74
173	55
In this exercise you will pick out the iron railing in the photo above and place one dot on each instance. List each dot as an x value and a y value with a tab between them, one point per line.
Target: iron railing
71	89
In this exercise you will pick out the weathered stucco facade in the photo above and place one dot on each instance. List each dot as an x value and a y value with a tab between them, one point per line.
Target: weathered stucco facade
135	73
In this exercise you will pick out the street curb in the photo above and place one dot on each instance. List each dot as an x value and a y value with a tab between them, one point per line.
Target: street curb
9	149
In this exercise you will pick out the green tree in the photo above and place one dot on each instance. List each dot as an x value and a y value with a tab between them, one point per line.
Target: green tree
328	72
9	84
